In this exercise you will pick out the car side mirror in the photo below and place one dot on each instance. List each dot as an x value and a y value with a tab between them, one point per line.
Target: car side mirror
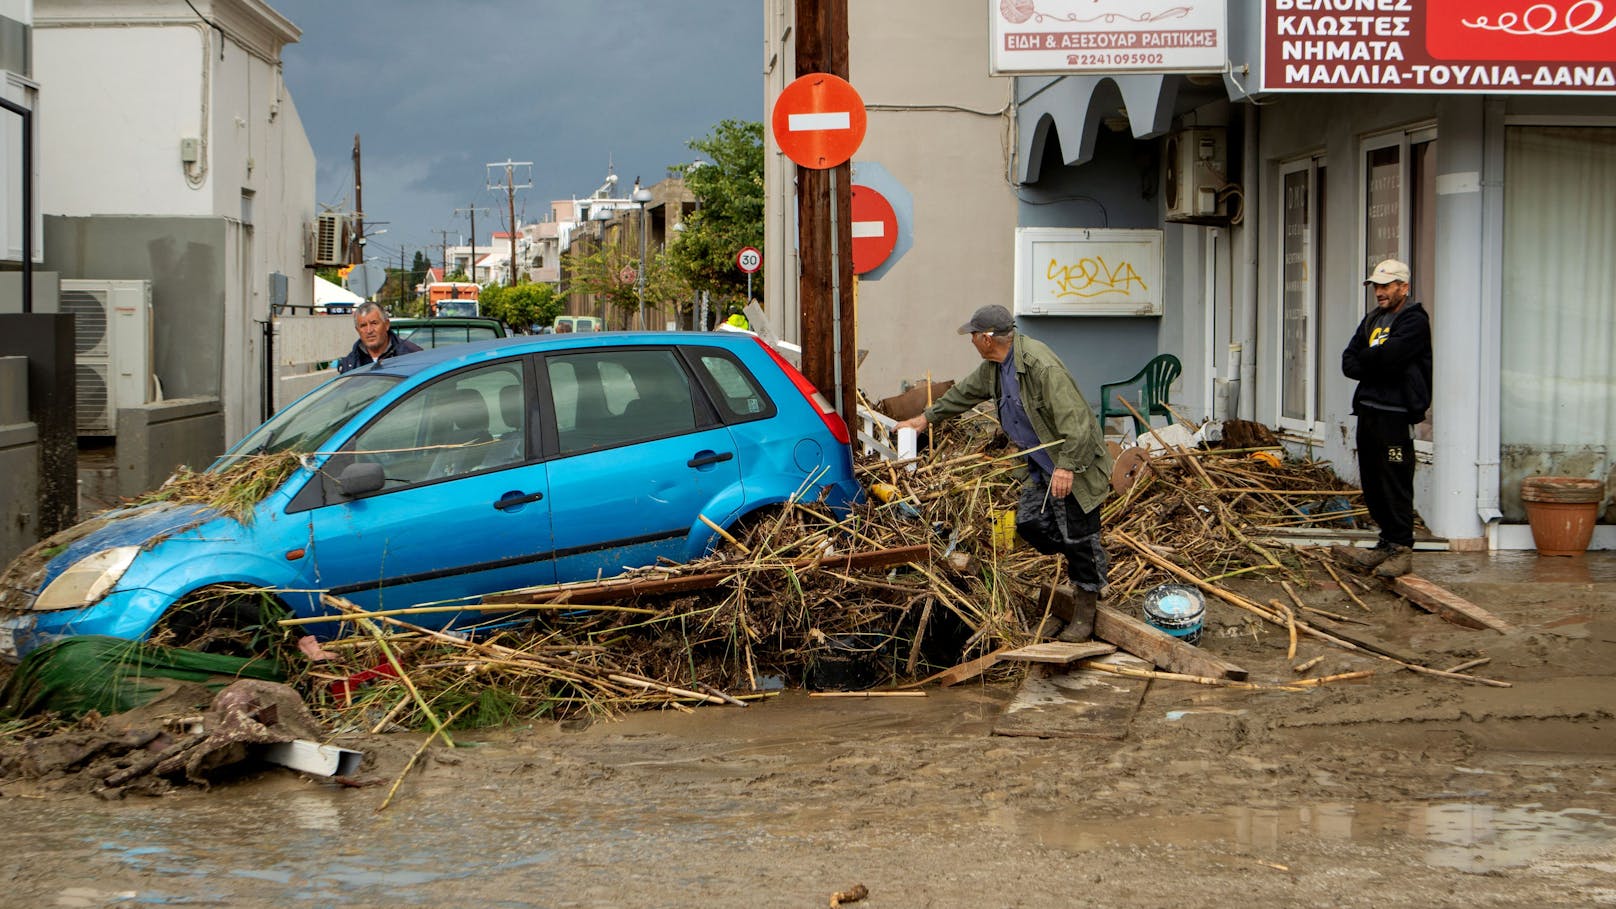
361	477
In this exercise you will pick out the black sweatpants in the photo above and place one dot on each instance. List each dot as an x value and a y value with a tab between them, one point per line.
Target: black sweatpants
1386	472
1061	526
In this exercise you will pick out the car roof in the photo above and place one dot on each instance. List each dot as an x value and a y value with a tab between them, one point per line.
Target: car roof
412	322
430	359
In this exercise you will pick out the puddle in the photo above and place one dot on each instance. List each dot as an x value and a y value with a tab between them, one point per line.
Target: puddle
1469	837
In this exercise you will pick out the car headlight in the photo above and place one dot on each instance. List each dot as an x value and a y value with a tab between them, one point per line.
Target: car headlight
88	580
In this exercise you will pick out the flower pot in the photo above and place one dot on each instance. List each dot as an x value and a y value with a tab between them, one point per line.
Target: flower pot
1562	512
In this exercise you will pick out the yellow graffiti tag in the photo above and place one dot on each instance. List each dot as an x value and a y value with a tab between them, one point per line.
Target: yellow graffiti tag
1093	277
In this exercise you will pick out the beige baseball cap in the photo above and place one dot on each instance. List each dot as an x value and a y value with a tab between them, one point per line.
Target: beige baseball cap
1387	272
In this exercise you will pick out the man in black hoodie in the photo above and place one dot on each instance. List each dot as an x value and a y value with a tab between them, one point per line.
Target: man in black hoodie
1390	356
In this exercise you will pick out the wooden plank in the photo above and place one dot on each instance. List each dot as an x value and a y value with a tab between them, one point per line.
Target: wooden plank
1143	640
615	589
964	671
1155	646
1447	604
1080	703
1060	653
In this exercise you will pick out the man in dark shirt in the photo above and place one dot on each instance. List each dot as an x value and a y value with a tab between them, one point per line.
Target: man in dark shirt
1390	356
1068	465
377	340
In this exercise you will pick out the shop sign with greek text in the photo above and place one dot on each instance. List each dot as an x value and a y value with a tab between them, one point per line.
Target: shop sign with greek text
1107	36
1478	46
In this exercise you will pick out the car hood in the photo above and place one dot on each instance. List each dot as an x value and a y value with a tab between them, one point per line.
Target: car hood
144	525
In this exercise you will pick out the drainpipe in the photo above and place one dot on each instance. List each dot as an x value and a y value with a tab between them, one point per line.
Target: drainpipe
1489	357
1243	353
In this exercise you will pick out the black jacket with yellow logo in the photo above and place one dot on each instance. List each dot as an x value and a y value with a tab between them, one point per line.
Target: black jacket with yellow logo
1392	364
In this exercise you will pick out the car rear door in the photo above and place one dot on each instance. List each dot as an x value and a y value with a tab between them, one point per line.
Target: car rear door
465	510
638	454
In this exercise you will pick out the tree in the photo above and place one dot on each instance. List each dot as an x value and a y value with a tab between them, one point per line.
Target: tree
729	211
522	306
610	274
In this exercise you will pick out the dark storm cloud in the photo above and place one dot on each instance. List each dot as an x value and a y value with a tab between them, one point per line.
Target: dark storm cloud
438	89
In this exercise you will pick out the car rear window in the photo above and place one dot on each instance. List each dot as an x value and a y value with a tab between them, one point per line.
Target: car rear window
614	396
439	335
734	389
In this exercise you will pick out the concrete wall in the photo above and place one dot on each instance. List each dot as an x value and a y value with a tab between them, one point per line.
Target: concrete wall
939	126
187	261
156	439
19	462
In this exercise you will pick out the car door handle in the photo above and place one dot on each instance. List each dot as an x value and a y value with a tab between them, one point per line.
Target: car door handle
704	458
513	499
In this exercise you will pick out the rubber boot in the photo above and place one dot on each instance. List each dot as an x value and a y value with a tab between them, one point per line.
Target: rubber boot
1399	561
1084	604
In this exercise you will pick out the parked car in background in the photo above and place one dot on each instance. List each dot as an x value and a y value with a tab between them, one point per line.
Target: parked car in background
565	324
440	476
430	333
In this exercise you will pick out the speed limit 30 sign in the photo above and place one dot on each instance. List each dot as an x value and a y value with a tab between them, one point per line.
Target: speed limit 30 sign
749	259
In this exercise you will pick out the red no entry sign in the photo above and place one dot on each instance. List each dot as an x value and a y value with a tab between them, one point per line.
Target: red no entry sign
819	121
875	229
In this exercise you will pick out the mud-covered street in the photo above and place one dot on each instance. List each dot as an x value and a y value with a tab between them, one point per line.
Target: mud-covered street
1395	790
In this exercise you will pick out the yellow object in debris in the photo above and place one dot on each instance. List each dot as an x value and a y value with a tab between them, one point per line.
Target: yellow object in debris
885	492
1004	530
1267	457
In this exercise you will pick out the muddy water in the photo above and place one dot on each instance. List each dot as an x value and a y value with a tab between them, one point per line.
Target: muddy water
1396	791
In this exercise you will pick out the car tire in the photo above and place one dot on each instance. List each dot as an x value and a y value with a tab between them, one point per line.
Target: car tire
233	621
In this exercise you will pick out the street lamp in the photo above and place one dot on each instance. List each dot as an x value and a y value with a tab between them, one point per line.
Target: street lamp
641	197
601	216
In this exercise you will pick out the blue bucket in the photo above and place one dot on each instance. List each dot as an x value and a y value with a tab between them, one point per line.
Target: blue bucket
1176	609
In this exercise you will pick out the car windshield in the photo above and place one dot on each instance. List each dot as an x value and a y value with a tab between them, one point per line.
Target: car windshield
308	423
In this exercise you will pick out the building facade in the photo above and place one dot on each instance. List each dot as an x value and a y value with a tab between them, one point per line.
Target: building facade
1268	156
174	154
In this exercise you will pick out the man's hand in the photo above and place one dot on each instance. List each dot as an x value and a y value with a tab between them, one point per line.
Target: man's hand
1060	483
918	424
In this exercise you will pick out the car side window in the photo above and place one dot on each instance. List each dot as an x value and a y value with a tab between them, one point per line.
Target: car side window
469	422
736	393
613	397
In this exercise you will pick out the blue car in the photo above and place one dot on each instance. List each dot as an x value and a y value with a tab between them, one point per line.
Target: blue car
444	475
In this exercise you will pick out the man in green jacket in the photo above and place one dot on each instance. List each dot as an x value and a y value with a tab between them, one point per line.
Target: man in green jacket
1039	404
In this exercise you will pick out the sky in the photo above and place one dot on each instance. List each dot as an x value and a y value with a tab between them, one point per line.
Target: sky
437	90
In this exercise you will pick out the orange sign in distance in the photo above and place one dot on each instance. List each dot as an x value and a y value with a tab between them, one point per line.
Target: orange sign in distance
875	229
819	121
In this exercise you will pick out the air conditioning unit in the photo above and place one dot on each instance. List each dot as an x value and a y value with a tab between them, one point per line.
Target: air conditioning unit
112	322
1197	169
329	238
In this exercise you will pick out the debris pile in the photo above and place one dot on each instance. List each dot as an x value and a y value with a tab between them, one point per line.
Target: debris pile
920	579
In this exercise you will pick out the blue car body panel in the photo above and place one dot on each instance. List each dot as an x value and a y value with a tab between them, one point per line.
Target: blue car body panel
578	516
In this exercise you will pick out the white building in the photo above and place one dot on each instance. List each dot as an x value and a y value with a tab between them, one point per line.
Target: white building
173	153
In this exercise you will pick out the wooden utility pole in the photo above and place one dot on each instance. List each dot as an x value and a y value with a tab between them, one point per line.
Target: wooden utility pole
356	248
443	248
510	188
821	30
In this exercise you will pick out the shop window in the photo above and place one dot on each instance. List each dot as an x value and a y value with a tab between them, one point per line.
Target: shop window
1303	353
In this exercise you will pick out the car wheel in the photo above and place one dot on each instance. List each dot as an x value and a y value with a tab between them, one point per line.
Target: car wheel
227	620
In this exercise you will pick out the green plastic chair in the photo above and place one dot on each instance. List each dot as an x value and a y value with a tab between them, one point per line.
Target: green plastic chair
1146	391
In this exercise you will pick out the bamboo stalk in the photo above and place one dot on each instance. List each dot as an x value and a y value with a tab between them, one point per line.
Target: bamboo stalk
1303	667
408	766
910	693
1343	584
